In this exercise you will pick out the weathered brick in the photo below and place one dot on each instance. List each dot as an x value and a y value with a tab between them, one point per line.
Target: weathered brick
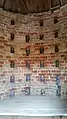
19	57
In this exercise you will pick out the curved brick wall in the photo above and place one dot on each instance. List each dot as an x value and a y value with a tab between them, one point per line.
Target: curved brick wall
29	24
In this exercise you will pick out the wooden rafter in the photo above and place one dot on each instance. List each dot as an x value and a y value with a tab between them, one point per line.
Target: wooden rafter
4	3
25	7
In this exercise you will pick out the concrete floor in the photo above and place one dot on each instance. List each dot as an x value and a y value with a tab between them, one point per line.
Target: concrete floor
31	117
34	106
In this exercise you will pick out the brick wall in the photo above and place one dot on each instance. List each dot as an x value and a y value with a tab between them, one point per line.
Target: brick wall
30	25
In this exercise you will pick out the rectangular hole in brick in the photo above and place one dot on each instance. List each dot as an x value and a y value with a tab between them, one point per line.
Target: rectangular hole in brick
27	90
41	50
12	49
56	48
55	19
28	77
42	78
27	38
41	64
12	36
41	37
56	34
12	79
12	64
12	22
42	91
41	23
57	63
28	64
27	51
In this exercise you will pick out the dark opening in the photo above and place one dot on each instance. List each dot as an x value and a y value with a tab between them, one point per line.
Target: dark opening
12	64
41	23
27	90
12	50
12	22
57	63
56	48
55	19
27	51
12	79
41	37
27	64
56	34
41	64
42	78
42	91
27	38
27	77
41	50
12	36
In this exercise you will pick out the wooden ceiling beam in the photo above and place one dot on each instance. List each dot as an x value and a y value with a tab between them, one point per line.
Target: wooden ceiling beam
4	2
25	7
61	2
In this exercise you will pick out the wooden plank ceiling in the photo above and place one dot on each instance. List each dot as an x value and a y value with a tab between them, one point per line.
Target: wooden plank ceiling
29	6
